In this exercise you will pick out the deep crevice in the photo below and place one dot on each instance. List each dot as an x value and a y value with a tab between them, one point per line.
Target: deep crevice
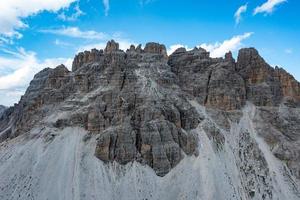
123	81
207	87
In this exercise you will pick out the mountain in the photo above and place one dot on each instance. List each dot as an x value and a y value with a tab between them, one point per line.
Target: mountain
144	125
2	108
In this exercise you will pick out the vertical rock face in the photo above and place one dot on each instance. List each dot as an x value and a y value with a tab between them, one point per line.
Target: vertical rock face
2	108
141	103
193	69
290	87
280	129
111	46
214	82
86	57
262	86
265	85
226	89
229	58
155	48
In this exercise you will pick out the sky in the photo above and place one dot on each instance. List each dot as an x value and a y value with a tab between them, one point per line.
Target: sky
36	34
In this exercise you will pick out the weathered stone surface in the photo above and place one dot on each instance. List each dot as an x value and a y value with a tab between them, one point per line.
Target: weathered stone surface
280	127
138	103
193	69
155	48
86	57
142	117
214	82
111	46
265	85
2	109
262	86
50	86
229	58
226	89
290	87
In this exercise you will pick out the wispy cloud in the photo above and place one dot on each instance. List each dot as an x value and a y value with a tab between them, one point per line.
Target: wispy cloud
106	6
14	11
288	51
268	7
145	2
75	32
219	49
18	68
74	16
58	42
239	12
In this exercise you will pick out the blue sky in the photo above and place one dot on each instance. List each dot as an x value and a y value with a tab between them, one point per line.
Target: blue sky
36	34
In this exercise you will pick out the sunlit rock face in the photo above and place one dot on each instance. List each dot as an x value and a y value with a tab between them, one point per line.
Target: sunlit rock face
163	127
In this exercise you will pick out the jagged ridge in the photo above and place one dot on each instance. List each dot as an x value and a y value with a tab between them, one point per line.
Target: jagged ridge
138	101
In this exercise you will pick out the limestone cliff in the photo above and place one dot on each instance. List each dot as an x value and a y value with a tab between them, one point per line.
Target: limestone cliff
145	106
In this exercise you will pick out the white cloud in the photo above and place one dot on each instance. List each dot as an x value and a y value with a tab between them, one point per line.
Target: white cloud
106	6
8	98
288	51
62	43
219	49
13	11
239	12
74	16
268	7
18	69
174	47
75	32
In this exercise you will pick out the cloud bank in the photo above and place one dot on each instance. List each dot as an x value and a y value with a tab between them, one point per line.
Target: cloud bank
13	11
20	67
219	49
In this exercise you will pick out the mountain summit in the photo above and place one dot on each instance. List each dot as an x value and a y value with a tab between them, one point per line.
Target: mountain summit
144	125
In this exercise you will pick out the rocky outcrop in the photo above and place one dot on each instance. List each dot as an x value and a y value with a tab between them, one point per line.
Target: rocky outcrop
86	57
111	47
155	48
280	129
290	87
193	69
138	102
226	89
262	86
214	82
2	108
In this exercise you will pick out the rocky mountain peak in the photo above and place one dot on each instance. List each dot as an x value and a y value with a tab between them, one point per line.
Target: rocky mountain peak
111	46
2	108
155	48
229	57
138	102
249	58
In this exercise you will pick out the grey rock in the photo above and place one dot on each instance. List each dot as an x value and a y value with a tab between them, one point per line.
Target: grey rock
138	103
111	46
226	89
155	48
262	86
2	109
280	128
